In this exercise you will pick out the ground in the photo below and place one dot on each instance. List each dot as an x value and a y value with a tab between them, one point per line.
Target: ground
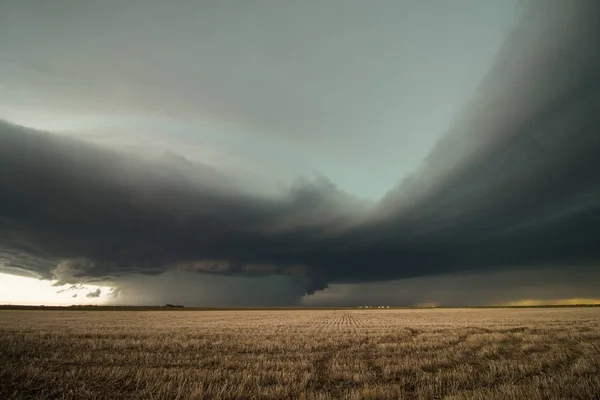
532	353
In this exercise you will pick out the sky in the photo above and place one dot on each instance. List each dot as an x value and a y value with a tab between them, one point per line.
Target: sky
299	153
273	90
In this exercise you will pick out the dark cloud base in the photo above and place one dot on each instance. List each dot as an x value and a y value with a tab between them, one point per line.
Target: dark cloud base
514	184
498	287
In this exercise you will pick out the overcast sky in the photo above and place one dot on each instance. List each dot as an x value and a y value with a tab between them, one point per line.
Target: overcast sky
259	152
357	91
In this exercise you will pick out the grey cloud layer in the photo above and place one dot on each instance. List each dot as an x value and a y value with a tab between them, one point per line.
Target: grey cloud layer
280	88
514	183
108	213
468	289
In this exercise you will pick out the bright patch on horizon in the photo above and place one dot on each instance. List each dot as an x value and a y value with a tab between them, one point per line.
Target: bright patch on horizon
557	302
18	290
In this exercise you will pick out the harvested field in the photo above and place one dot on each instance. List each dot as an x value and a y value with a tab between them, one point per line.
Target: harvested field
311	354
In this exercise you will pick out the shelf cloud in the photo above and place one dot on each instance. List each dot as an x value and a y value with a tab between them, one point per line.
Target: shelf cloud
513	184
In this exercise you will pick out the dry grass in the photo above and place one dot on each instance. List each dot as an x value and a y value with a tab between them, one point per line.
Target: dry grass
353	354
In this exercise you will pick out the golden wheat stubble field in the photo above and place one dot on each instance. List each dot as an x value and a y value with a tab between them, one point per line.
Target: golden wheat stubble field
549	353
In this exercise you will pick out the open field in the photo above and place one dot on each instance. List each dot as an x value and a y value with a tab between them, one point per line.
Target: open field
314	354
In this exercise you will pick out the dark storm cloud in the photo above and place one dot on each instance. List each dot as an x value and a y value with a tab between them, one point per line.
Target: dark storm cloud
83	212
70	288
514	183
94	294
575	284
214	290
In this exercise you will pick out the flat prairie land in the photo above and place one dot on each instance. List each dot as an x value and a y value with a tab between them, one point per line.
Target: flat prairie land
536	353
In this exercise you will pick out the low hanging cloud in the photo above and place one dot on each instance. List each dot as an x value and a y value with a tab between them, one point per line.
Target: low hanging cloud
513	184
94	294
207	290
89	213
509	286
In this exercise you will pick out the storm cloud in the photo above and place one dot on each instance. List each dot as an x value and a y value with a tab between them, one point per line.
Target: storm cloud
513	184
94	294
